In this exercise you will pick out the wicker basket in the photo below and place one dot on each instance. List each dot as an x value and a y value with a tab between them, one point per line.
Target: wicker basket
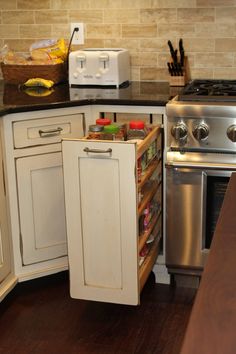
19	74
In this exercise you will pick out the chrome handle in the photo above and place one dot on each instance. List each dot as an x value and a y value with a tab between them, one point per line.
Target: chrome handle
203	209
50	132
98	151
200	166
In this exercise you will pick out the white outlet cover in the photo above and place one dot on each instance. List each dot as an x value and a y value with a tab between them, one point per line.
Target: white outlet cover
78	37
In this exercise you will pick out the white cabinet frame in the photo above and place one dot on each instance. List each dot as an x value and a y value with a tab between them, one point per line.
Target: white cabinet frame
11	154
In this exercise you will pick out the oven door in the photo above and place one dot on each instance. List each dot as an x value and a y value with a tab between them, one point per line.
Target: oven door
194	195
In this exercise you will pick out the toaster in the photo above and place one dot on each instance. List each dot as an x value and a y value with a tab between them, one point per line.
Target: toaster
99	67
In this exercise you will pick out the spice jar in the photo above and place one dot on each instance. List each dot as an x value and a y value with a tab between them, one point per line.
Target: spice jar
123	130
95	132
112	132
136	130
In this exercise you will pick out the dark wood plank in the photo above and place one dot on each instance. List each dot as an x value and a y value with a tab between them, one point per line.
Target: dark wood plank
212	327
40	317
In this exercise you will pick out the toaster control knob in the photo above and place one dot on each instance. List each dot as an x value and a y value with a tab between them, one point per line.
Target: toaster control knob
81	57
104	57
98	76
75	75
201	131
231	133
179	131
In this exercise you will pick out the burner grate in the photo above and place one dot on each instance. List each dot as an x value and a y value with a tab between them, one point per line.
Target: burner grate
218	90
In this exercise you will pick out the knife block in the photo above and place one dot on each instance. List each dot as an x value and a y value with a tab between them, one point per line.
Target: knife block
183	79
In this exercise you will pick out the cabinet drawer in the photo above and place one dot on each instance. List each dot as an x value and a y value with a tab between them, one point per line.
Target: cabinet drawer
50	130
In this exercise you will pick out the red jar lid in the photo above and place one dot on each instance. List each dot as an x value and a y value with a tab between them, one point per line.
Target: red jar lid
136	124
103	121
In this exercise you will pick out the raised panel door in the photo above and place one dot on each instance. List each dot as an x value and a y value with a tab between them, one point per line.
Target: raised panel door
101	214
41	207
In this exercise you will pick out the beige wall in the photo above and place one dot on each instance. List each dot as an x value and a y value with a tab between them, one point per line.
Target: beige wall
208	29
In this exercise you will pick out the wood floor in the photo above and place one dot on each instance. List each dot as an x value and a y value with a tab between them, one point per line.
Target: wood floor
39	317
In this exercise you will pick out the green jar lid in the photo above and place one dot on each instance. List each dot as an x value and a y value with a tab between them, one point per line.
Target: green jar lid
112	129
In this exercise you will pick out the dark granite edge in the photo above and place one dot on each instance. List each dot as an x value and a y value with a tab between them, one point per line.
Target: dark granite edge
37	107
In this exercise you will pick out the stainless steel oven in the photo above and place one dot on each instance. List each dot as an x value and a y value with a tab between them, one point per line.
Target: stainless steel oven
195	194
200	157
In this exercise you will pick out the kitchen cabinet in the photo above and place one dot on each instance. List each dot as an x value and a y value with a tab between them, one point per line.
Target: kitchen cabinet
35	187
111	252
5	257
7	279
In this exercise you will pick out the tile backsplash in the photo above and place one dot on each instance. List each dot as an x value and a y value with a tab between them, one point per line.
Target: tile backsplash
208	29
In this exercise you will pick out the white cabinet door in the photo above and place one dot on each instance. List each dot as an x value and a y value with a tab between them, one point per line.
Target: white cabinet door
41	207
5	255
101	214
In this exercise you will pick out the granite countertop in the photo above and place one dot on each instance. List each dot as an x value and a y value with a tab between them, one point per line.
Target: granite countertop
15	99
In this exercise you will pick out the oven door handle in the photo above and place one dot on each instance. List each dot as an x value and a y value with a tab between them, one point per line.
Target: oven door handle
201	166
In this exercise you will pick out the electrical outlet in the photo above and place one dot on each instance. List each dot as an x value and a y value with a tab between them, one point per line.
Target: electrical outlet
78	37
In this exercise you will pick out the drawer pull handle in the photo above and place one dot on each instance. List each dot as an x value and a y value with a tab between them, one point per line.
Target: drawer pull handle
51	132
98	151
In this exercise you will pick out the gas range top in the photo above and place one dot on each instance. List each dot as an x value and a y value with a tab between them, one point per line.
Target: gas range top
203	118
209	91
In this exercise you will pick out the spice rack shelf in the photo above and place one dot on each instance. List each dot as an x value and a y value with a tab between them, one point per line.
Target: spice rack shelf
148	263
149	171
152	136
149	192
145	235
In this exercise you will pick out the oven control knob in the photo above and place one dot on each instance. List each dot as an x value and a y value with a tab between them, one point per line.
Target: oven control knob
201	131
231	133
179	131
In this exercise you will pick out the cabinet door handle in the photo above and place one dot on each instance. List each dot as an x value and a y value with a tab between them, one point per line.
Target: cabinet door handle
50	132
98	151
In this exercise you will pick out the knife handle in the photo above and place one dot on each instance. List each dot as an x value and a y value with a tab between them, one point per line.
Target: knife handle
181	51
170	69
172	52
173	69
179	69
